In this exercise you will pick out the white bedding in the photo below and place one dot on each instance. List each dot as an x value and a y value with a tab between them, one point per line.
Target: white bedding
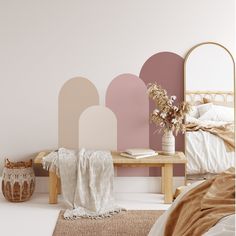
225	227
206	153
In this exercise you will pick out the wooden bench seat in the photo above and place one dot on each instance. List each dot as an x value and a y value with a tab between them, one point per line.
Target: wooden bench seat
164	161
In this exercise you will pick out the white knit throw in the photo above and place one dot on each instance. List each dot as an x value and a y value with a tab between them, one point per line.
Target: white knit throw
87	182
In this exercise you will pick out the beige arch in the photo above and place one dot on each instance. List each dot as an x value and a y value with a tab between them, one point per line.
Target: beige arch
75	96
98	129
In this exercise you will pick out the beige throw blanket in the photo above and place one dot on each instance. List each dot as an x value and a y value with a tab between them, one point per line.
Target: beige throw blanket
203	206
87	182
225	132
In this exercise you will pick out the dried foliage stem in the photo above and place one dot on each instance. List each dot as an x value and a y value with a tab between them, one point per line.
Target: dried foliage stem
167	115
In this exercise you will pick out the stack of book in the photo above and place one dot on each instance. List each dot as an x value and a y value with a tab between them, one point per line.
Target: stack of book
137	153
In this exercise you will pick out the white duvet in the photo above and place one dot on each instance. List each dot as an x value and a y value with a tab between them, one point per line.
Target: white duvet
225	227
206	153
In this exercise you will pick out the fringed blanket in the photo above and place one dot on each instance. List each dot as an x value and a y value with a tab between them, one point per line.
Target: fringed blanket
203	206
87	182
225	132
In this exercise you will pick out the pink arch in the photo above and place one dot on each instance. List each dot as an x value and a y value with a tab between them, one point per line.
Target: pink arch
127	97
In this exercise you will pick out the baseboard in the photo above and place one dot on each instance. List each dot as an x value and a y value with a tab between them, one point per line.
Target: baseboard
143	184
121	184
124	184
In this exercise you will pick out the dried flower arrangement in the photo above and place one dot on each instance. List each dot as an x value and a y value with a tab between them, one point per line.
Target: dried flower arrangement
167	115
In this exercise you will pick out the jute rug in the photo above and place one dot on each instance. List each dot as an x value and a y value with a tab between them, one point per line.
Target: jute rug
129	223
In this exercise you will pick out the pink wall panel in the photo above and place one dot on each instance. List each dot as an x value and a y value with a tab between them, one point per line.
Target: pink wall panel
127	97
167	69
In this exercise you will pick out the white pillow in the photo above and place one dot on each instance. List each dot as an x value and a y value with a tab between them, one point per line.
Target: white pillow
219	113
204	108
191	119
194	112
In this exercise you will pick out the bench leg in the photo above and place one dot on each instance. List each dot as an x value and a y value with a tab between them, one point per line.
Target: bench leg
168	182
162	180
53	182
58	185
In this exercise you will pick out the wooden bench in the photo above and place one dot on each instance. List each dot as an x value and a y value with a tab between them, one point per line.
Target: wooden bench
164	161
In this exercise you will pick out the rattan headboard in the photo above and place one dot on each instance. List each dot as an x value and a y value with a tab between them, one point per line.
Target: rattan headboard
224	97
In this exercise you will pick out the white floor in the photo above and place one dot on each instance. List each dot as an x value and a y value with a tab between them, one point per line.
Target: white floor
38	218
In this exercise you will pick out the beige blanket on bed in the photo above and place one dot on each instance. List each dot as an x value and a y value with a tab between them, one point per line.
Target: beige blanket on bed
225	132
203	206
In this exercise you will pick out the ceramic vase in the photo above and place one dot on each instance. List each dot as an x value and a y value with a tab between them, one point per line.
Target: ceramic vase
168	143
18	181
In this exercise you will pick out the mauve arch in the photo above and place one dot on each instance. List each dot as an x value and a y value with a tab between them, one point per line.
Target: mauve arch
166	69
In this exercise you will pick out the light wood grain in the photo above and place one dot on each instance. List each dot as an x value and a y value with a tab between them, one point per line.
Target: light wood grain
39	157
178	157
53	183
58	185
168	183
162	180
164	161
226	97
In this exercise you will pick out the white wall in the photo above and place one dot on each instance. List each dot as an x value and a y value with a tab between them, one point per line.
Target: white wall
44	43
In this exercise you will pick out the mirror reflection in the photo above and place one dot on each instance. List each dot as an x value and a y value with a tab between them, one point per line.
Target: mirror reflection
209	87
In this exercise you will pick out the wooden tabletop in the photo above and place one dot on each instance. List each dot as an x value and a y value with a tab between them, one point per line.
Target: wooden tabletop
178	157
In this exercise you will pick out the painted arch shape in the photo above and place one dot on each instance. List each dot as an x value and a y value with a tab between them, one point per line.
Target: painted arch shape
98	129
127	97
75	96
166	69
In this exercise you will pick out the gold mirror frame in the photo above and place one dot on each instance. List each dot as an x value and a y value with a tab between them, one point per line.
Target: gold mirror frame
185	63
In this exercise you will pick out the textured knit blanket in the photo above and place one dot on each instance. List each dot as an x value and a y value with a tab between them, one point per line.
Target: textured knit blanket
86	181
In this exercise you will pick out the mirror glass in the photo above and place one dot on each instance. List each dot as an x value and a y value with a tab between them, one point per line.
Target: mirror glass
209	87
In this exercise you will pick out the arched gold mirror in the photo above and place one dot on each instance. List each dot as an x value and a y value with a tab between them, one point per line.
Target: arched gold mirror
209	86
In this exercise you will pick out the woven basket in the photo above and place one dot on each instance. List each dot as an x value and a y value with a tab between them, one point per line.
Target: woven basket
18	181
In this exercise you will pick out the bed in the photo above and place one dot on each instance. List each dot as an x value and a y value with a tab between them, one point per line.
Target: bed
203	208
206	152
